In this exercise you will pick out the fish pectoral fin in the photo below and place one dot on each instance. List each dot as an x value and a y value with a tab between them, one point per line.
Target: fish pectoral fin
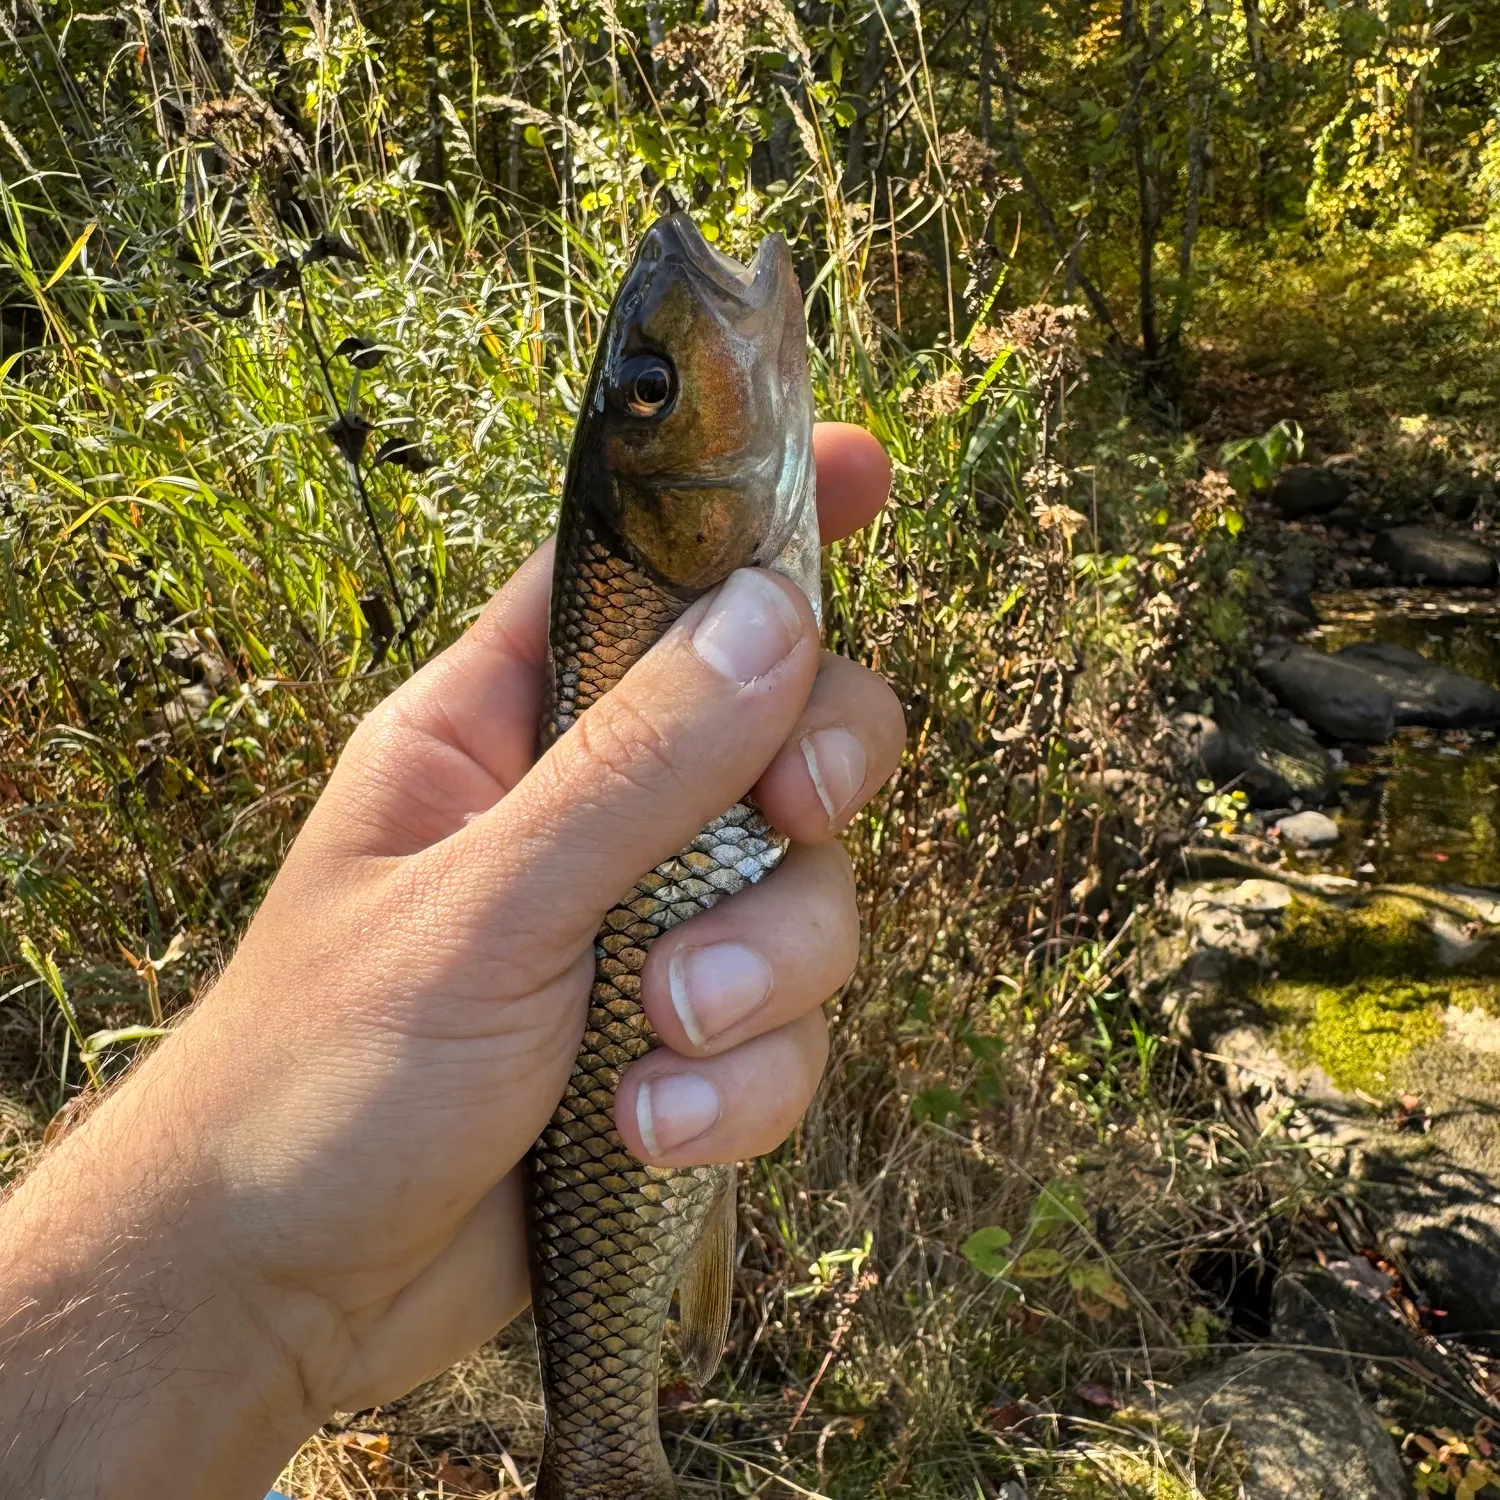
704	1290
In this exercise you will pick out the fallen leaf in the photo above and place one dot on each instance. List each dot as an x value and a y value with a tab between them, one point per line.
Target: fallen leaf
462	1479
66	1118
678	1396
1096	1395
1357	1275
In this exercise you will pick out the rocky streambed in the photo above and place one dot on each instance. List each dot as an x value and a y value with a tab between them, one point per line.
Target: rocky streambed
1333	948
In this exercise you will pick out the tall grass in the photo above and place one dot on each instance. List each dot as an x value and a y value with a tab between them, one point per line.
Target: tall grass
211	569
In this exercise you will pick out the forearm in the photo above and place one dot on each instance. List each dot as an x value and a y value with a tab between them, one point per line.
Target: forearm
132	1362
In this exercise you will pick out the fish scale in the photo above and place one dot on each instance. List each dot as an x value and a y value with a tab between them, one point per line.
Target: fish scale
611	1237
692	457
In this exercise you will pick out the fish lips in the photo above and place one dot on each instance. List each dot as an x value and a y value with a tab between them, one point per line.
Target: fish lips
676	242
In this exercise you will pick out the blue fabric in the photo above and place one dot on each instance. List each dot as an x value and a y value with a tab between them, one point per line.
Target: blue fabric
277	1495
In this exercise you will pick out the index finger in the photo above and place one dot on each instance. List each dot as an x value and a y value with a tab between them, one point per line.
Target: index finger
854	478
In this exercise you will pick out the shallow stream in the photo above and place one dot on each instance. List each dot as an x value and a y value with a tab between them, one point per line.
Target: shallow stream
1424	808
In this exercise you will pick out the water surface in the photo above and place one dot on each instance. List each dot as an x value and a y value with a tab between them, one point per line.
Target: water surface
1425	807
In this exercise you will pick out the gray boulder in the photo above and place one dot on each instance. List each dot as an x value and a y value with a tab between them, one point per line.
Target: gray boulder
1344	1314
1268	759
1293	579
1337	697
1425	693
1305	1434
1308	830
1420	554
1308	490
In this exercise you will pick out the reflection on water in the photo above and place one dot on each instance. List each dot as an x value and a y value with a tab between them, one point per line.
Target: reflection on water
1425	807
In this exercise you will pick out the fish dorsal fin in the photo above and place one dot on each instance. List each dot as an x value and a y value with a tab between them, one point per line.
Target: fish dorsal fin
704	1290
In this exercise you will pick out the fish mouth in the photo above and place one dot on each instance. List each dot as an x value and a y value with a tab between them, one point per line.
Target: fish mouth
677	240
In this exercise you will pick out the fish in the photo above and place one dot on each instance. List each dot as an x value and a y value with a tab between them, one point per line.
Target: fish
691	457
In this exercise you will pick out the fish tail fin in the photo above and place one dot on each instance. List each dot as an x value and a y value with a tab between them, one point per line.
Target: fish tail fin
703	1294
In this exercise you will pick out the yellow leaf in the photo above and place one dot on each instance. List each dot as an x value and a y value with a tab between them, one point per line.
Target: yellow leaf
73	253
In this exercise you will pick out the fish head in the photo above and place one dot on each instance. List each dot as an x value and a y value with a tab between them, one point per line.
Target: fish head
694	447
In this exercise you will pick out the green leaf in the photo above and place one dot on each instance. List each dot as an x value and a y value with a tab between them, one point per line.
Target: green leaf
101	1041
1096	1282
1059	1205
74	251
533	136
937	1106
1038	1264
985	1250
844	112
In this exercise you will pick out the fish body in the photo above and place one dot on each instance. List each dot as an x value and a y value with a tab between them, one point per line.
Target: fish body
692	457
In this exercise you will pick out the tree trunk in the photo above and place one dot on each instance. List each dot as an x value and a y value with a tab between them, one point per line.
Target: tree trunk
1091	292
870	69
1200	136
1261	71
1134	39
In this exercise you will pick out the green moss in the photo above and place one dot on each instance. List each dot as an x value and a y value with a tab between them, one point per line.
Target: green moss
1150	1460
1359	989
1385	938
1470	992
1356	1033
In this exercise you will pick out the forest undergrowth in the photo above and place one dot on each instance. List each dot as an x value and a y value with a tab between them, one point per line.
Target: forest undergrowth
295	314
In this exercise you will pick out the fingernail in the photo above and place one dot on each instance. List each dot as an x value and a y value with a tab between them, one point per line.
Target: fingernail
674	1109
750	626
836	762
716	986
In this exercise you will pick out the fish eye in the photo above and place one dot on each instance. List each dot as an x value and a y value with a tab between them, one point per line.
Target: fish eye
646	385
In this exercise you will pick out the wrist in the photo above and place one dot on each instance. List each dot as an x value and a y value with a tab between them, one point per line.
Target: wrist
136	1359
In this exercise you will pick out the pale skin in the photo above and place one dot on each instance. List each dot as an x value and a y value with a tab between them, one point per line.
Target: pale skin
307	1200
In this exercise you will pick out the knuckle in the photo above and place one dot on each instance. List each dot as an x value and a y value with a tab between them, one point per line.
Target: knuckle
619	744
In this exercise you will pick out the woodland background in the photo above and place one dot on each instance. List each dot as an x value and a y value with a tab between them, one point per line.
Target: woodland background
295	307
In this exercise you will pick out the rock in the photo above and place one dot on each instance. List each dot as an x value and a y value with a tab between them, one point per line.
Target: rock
1484	904
1472	1029
1308	830
1337	697
1420	554
1267	759
1293	580
1308	490
1436	1191
1303	1432
1343	1315
1425	693
1258	896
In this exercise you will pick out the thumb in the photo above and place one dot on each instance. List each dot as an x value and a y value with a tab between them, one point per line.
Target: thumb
679	739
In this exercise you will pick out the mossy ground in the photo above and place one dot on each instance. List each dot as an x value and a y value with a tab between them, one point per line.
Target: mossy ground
1386	938
1359	990
1356	1033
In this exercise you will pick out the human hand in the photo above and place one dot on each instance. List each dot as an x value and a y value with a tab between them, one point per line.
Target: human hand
307	1199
